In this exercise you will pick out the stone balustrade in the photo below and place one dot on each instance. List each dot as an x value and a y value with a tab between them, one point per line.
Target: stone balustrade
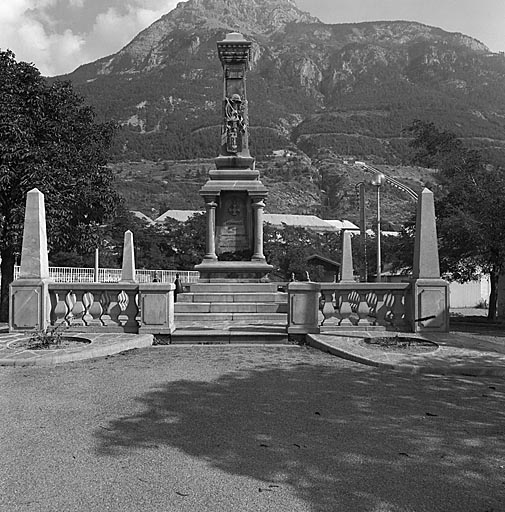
316	307
112	307
83	306
365	304
36	301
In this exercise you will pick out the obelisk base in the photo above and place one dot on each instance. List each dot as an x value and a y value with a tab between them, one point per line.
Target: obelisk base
238	271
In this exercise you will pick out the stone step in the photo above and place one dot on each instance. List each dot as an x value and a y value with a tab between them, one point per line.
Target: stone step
233	297
227	287
179	337
229	333
231	307
204	318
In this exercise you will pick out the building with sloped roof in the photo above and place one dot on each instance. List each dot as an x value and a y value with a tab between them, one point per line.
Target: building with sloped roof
312	222
142	216
179	215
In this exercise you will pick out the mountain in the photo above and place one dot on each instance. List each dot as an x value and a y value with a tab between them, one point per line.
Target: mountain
313	88
350	87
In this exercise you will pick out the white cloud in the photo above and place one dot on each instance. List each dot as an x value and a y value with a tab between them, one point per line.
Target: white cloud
29	30
29	39
113	30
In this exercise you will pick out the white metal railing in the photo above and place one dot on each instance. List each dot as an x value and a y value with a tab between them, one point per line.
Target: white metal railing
113	275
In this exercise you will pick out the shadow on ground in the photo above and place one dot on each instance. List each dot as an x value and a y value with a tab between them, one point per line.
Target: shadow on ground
355	439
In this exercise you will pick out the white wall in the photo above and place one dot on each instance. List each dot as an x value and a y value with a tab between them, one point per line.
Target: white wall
471	294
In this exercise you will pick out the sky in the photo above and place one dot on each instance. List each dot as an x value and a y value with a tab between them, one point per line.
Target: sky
60	35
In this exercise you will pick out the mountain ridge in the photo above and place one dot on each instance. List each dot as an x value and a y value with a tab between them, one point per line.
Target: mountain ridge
348	90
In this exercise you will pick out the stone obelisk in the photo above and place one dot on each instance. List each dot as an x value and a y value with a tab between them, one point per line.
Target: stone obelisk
234	195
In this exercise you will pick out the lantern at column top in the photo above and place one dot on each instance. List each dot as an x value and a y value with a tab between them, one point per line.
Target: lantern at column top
234	53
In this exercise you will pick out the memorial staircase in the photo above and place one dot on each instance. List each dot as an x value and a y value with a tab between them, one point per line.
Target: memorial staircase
231	312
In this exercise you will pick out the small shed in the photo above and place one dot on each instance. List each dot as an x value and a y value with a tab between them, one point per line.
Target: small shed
331	268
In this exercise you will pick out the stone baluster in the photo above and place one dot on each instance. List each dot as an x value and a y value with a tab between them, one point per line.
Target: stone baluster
79	308
328	309
131	311
59	309
95	310
346	313
363	311
381	308
87	300
122	300
105	302
398	309
114	308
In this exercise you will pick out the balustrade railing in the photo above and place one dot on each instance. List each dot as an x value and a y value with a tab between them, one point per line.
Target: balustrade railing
365	304
318	307
110	307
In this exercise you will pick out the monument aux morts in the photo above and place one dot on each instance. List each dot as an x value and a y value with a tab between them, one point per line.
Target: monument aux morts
234	195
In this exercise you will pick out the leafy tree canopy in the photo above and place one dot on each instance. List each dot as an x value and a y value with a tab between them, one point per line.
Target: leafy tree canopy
470	202
49	140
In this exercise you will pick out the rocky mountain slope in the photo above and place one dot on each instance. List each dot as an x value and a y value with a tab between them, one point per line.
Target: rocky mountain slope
318	89
351	87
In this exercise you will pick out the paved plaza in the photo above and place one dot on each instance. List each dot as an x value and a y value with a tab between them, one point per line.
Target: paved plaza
229	428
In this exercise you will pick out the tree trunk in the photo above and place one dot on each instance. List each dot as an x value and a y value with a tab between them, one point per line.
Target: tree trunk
493	296
7	269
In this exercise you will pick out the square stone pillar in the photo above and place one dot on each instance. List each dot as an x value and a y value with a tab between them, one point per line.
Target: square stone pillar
430	293
156	302
303	307
29	304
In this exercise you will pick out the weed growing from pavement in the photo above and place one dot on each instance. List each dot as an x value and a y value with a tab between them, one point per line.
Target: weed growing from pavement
50	337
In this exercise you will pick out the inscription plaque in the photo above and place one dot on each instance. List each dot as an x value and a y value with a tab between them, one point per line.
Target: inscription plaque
232	233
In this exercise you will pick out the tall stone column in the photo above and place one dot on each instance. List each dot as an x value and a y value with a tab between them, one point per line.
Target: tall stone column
258	207
210	207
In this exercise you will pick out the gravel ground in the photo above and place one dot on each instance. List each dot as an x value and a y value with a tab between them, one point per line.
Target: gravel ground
213	428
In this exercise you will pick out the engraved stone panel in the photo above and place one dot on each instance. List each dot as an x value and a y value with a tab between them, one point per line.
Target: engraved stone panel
26	308
432	308
155	309
233	233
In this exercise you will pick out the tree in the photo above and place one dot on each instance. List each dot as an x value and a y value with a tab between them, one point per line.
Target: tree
470	199
49	140
287	249
187	240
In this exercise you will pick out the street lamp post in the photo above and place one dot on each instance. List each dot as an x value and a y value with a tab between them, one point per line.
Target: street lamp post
360	187
378	181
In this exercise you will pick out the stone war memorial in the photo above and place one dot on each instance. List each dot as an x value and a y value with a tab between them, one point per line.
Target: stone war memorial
234	288
234	195
234	285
